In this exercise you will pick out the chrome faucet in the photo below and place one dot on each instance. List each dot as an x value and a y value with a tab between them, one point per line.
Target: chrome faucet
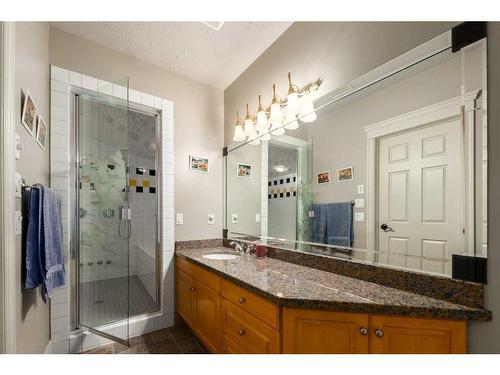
237	246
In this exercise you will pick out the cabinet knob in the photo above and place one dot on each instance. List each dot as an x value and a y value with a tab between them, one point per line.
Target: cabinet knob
363	331
379	333
242	300
192	288
242	332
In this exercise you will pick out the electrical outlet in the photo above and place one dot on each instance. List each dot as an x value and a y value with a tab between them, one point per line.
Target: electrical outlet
257	218
361	189
18	147
19	223
18	189
359	216
234	218
179	219
211	219
359	203
311	213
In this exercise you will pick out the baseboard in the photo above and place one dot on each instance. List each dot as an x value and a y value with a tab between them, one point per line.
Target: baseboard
48	348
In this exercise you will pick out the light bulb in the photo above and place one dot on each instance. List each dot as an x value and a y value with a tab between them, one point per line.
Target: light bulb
292	98
262	123
291	122
307	113
276	114
239	135
249	128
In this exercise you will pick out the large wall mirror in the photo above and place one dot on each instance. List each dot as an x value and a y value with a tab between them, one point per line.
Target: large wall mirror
392	170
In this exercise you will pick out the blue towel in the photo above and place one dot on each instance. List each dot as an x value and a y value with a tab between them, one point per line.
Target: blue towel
44	242
34	277
339	228
51	251
318	226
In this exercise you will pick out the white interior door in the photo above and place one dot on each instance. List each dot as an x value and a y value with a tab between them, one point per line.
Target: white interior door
420	197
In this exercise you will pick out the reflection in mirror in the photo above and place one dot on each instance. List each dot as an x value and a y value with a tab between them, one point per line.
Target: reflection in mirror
393	173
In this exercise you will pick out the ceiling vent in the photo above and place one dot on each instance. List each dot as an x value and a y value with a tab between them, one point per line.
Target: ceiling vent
217	25
341	91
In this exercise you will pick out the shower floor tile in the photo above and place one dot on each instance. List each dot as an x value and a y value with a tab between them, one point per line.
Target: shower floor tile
105	301
173	340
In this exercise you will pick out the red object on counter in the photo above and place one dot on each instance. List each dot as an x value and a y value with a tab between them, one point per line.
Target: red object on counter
260	251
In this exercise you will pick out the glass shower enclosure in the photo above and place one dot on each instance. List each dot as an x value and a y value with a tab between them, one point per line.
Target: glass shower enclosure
115	266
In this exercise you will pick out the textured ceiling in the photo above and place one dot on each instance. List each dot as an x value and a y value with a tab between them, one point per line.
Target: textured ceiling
190	49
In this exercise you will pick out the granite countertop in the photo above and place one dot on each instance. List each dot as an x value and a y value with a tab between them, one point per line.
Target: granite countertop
293	285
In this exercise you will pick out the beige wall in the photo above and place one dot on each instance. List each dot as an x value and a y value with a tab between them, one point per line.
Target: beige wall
338	52
198	124
32	73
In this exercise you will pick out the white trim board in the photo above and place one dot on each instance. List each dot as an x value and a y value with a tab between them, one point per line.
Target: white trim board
63	341
7	182
422	117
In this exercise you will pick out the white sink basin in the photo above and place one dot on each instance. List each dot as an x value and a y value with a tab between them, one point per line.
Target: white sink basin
221	256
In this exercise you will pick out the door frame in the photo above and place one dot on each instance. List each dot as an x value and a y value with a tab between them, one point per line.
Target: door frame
7	183
446	110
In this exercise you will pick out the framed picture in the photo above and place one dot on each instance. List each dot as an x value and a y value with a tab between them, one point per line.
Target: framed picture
198	164
324	177
243	170
345	174
41	132
28	117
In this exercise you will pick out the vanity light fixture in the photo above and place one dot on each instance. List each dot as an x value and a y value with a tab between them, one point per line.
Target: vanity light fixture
239	135
298	105
249	128
280	168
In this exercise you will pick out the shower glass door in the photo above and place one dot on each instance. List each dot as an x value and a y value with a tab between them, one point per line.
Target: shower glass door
103	216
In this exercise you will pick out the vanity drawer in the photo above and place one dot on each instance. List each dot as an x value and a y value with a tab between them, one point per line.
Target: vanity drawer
247	332
252	303
207	278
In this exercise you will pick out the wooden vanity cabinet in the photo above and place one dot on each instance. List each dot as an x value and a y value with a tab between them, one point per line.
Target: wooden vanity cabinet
228	318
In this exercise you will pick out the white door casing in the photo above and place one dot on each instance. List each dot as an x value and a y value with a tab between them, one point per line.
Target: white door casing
424	117
419	191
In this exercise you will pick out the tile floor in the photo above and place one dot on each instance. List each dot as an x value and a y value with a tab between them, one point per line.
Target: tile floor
174	340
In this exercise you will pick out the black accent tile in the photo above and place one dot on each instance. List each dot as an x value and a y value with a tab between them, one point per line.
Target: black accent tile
139	170
152	172
92	186
152	190
275	182
269	183
111	166
288	180
281	195
275	196
294	179
287	194
268	196
281	181
138	189
294	193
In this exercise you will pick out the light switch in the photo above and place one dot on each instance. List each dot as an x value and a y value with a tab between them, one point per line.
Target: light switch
257	218
359	203
19	223
359	216
179	219
211	219
234	218
18	189
311	213
361	189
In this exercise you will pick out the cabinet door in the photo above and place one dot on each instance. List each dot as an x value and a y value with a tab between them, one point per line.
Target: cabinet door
324	332
206	308
230	347
402	335
185	297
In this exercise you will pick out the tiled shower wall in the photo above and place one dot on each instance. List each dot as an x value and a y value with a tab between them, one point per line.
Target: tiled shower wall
63	341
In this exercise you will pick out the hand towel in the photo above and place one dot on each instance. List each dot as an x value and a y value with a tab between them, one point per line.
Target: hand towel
339	227
318	225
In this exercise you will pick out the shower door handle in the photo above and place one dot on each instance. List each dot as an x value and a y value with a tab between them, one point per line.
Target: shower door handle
125	216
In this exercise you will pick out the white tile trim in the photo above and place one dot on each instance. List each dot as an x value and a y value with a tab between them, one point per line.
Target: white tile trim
63	340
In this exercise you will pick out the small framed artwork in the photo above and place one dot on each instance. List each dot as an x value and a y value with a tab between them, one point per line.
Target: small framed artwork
324	177
345	174
28	117
198	164
41	132
243	170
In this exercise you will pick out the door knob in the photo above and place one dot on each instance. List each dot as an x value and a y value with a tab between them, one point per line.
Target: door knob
363	331
386	228
379	333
